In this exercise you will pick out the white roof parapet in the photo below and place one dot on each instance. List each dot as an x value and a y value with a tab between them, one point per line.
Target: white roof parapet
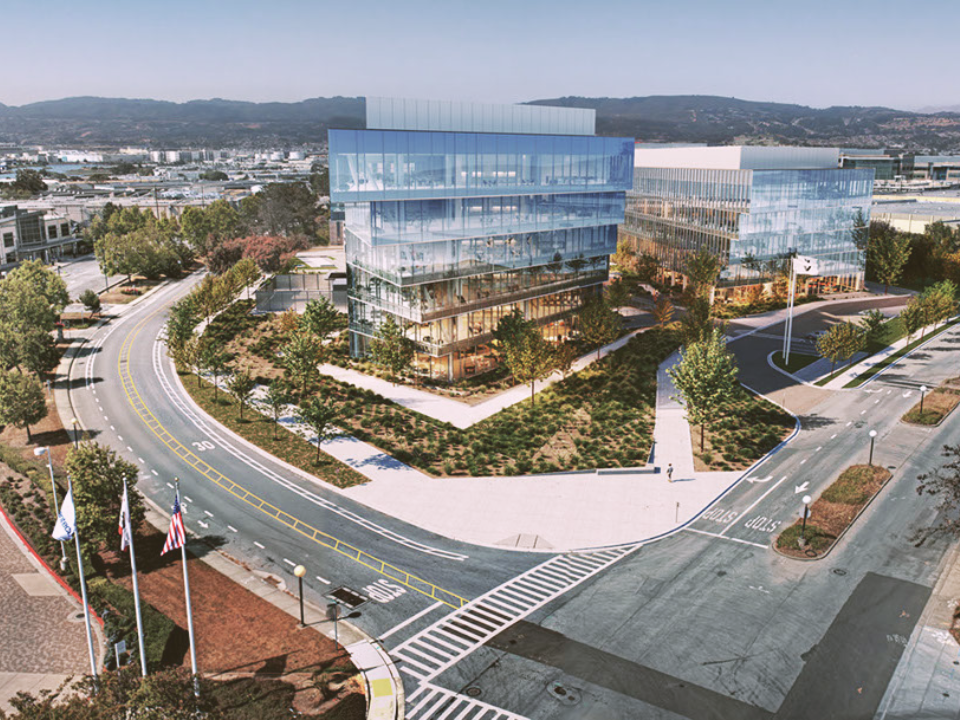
456	116
739	157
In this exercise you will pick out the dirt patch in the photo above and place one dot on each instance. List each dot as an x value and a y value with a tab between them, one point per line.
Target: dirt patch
833	512
128	291
936	405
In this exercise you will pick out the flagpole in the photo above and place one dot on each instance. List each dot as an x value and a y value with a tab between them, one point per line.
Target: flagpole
83	595
186	591
136	588
788	331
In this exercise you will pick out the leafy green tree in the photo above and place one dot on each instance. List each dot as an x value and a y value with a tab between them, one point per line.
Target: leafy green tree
663	310
944	485
98	473
841	342
37	352
301	355
648	267
617	294
43	280
510	326
281	209
276	399
242	386
320	182
938	302
319	416
246	273
599	323
320	318
942	237
391	349
706	378
697	323
181	323
565	355
888	253
21	401
530	358
871	323
195	229
28	183
912	316
624	259
214	360
214	175
701	269
90	300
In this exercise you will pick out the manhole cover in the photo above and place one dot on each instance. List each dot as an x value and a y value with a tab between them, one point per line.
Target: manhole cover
348	597
473	691
566	695
839	571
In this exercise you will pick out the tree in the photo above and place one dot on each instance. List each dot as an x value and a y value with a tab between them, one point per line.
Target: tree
697	323
871	324
223	256
625	259
912	316
276	398
888	253
706	378
663	310
530	358
242	386
38	352
701	269
214	175
321	318
21	401
648	267
391	349
617	294
841	342
319	416
861	231
90	300
98	474
565	355
214	360
938	302
943	484
281	209
44	281
599	323
246	272
300	357
28	182
181	322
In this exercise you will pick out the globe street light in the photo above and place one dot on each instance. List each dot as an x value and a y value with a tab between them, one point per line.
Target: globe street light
76	432
923	391
806	500
38	451
873	435
300	571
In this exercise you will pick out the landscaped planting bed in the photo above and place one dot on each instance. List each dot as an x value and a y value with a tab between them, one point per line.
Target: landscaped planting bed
834	511
936	405
749	429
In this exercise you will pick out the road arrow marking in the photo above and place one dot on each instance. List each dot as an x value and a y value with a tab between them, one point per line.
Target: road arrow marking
801	488
768	478
907	393
202	524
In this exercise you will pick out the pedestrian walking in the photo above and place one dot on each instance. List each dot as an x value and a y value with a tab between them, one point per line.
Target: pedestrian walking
669	472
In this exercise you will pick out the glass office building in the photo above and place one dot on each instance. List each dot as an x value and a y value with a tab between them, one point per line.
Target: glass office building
448	231
752	207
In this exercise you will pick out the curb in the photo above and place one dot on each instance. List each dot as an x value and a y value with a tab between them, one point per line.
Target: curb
926	342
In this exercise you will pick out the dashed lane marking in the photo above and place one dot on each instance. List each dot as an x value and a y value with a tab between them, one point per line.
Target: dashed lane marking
259	545
833	436
291	563
231	528
142	461
327	582
803	461
155	473
170	485
208	513
819	448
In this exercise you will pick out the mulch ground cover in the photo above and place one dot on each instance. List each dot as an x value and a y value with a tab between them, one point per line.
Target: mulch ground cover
936	404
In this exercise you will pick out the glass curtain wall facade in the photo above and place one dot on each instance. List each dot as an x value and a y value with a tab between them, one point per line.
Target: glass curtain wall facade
448	232
751	219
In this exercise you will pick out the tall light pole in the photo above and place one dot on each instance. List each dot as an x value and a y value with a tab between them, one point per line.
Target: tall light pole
56	502
333	612
873	435
806	500
300	571
76	432
923	391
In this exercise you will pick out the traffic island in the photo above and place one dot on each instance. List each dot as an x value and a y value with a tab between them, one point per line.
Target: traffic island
933	407
833	513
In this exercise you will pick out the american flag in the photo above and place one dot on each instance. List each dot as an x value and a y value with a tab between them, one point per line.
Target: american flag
175	535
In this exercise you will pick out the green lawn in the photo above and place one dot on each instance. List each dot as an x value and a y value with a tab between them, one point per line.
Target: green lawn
894	357
798	361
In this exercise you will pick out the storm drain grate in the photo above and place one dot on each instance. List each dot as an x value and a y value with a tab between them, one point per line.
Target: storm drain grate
348	597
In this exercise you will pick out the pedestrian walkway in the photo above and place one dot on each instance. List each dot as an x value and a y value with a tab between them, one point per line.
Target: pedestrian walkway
671	431
42	636
459	414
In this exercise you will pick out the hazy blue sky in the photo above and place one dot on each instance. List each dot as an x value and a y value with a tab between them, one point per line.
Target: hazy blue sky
815	52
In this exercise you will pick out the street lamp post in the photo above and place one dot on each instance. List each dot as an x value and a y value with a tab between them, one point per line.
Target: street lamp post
56	502
300	571
333	612
76	432
806	513
873	435
923	391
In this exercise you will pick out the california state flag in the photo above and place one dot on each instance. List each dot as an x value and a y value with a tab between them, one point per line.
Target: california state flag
124	521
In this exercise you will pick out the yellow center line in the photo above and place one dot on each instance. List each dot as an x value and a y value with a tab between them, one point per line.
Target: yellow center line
320	537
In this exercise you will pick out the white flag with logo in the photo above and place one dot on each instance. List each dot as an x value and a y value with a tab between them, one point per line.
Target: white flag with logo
124	521
66	520
806	265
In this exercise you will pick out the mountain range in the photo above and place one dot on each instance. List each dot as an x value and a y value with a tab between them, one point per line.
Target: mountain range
93	121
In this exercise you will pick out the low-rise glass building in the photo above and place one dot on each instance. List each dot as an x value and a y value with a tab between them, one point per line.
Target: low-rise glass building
752	207
458	213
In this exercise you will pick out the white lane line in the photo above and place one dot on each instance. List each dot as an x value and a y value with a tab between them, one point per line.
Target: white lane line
202	524
411	619
722	537
113	428
106	418
753	505
129	448
291	563
259	545
833	436
863	412
157	474
819	448
875	402
803	461
208	513
323	580
850	423
188	498
100	408
232	528
142	461
120	438
170	485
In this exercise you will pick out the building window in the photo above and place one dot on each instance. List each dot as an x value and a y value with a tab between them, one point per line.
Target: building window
64	229
8	240
52	232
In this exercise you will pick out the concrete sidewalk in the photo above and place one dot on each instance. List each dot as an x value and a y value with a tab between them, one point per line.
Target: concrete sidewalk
459	414
671	431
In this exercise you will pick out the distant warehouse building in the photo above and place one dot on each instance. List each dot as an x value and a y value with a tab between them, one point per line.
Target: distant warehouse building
752	207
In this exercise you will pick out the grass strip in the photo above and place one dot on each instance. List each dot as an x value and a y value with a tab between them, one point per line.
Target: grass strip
798	361
891	359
